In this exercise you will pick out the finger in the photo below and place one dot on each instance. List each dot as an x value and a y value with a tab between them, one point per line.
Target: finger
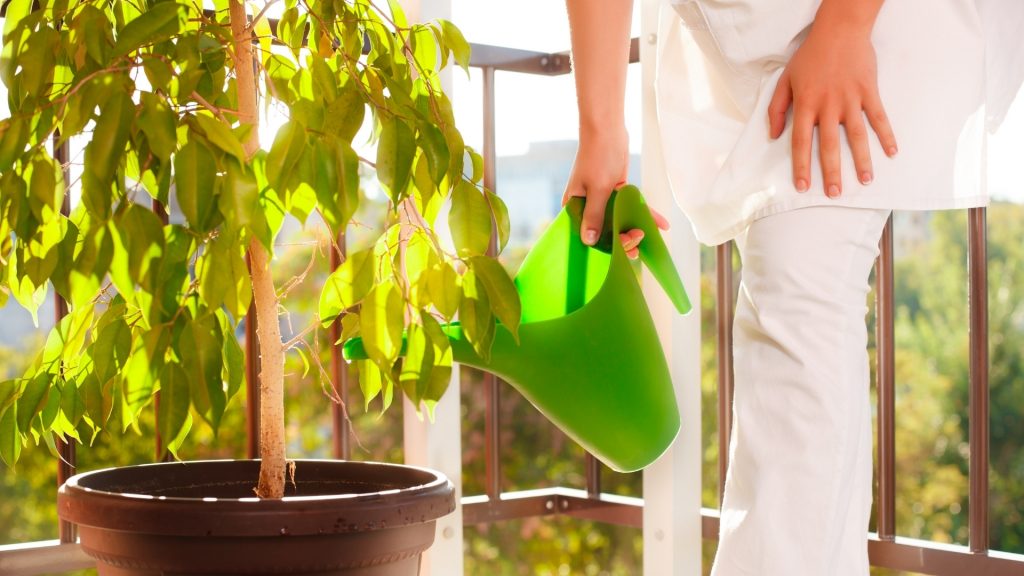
803	134
659	220
831	173
857	136
633	254
779	106
593	214
573	188
631	239
880	124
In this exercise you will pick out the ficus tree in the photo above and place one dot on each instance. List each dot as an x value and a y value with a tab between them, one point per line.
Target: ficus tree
164	99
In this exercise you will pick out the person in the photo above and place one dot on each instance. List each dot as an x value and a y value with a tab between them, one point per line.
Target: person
795	127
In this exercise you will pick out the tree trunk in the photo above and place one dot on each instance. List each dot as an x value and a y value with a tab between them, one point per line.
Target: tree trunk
274	464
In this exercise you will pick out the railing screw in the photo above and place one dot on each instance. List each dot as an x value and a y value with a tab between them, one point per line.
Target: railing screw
544	61
550	504
652	39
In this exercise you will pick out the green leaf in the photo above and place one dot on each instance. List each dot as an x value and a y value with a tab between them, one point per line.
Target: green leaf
445	291
9	390
347	285
381	318
104	152
397	14
370	381
239	200
92	397
141	372
395	152
501	292
46	188
456	42
470	220
288	147
224	277
220	135
112	345
344	116
195	170
174	403
478	164
142	234
10	439
40	50
30	296
158	23
436	150
234	358
500	212
475	315
417	364
33	398
159	123
441	375
14	135
72	406
200	346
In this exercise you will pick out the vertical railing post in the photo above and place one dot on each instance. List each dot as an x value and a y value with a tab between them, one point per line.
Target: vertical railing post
67	531
672	525
724	310
492	388
977	263
341	445
885	358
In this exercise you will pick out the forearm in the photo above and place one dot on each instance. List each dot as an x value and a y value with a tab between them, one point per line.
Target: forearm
847	16
600	55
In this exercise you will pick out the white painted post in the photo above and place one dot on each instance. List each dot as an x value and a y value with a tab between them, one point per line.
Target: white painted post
672	485
438	445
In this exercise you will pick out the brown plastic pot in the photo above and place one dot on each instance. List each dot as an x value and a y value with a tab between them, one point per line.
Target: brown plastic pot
340	518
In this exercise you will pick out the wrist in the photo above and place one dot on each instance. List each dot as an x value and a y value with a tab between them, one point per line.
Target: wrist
846	19
600	129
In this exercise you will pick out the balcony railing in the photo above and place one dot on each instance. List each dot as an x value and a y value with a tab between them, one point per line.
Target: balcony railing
495	505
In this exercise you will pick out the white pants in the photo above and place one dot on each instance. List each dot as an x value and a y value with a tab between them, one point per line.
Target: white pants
798	491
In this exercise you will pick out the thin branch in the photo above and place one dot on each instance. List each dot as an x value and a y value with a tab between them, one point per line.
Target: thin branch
206	104
262	13
301	335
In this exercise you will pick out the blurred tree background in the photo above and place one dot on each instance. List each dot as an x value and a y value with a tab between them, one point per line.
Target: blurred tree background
932	399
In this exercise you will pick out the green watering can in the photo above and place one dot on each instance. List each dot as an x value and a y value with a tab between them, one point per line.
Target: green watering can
588	355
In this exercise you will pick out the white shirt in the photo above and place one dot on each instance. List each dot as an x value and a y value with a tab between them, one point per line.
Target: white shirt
947	72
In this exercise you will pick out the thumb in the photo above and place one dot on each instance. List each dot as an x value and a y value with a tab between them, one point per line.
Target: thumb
593	215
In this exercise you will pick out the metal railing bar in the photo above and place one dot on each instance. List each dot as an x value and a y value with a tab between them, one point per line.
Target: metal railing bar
886	388
44	557
339	371
918	556
608	508
531	61
724	312
977	263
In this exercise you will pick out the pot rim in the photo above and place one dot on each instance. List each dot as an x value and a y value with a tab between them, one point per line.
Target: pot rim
252	516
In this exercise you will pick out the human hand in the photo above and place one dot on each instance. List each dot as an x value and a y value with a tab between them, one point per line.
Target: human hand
601	166
832	79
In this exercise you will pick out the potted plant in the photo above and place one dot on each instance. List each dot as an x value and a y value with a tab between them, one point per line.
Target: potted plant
166	96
